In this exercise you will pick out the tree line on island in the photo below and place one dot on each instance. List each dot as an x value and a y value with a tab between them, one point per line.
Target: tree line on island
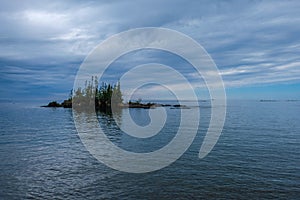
92	94
103	97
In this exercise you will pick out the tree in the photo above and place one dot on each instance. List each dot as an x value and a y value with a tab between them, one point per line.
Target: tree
104	96
117	95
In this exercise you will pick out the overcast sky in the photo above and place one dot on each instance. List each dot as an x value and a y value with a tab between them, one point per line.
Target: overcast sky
255	44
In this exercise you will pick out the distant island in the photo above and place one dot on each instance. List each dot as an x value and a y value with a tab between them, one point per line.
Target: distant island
104	96
272	100
268	100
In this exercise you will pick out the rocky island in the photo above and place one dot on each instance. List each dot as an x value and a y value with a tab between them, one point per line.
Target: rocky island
104	97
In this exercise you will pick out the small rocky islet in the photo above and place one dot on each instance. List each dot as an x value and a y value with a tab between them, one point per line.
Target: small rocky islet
103	98
136	104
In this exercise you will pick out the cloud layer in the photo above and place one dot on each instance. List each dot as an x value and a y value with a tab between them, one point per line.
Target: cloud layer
43	42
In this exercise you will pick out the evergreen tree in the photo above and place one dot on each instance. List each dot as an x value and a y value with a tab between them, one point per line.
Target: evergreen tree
103	96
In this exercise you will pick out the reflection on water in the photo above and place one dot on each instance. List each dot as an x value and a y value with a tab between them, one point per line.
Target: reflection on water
92	133
257	156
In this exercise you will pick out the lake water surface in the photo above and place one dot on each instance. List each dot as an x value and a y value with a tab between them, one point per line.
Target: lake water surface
257	156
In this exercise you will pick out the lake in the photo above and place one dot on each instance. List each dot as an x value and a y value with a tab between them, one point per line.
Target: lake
257	156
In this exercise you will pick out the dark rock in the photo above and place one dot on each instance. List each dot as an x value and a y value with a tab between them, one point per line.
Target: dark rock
67	103
53	104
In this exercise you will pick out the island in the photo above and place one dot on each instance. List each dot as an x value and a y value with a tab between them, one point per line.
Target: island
103	97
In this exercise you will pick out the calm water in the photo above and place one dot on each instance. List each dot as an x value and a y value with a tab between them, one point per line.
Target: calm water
257	156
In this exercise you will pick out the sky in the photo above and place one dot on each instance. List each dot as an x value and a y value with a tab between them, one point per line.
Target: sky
254	44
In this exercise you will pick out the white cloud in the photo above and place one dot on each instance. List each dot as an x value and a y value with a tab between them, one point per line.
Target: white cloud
44	18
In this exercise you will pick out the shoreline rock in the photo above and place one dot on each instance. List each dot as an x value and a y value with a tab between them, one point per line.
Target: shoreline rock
68	104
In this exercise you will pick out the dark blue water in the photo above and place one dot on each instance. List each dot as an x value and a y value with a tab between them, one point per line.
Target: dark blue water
257	156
